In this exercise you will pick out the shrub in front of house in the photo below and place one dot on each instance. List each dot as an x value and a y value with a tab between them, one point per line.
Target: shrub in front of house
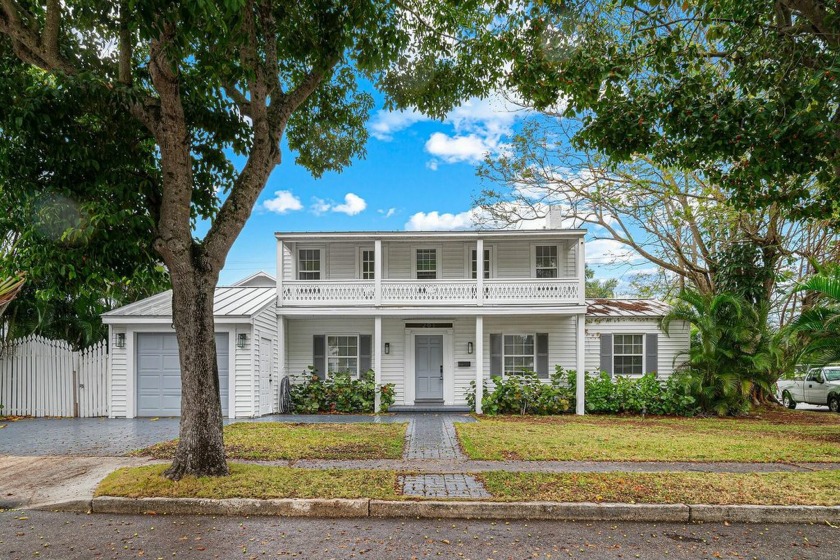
339	393
526	394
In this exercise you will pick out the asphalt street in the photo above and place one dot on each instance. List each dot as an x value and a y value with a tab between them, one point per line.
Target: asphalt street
69	536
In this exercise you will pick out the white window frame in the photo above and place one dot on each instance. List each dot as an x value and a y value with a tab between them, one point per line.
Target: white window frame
468	251
322	259
438	261
358	351
534	259
615	355
362	251
505	355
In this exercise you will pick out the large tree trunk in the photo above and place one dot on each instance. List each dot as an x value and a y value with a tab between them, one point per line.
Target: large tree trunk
200	450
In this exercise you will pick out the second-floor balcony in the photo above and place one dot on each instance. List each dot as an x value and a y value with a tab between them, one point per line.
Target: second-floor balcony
526	291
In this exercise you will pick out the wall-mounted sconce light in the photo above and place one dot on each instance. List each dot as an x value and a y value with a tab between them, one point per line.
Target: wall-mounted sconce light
241	340
387	347
469	348
119	340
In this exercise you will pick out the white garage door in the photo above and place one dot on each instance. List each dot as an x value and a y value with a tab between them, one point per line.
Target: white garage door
159	374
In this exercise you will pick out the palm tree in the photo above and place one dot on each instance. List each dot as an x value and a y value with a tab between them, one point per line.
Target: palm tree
9	289
726	357
819	325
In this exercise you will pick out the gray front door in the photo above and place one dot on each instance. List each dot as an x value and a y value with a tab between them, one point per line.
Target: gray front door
428	367
159	374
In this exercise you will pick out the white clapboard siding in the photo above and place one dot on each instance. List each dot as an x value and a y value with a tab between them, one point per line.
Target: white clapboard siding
38	377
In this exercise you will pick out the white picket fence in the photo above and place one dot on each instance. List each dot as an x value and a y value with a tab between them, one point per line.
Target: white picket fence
42	377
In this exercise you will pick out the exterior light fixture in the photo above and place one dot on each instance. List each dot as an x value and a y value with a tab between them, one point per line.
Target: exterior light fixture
387	347
469	347
241	340
119	340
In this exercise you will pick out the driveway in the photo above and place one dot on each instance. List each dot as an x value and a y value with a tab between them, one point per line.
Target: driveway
114	437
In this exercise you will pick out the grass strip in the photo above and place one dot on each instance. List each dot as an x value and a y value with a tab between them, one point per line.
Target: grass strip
273	441
782	438
251	481
813	488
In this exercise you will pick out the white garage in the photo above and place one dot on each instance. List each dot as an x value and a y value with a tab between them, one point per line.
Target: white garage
159	374
144	373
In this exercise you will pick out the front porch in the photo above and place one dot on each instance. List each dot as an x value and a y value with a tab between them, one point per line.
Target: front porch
433	360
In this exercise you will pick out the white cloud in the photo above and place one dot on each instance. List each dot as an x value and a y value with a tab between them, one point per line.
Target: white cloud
283	202
435	221
386	123
353	204
609	251
387	213
453	149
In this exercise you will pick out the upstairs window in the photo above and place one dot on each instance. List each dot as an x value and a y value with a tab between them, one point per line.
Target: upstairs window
545	261
309	264
474	265
426	264
628	354
368	264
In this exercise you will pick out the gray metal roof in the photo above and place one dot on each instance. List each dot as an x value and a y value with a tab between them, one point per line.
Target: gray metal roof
609	308
412	235
233	301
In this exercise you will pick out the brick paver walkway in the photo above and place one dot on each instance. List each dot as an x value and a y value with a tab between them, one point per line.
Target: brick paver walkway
443	486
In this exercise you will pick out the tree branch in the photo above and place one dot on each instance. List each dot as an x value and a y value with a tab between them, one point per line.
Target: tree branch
49	38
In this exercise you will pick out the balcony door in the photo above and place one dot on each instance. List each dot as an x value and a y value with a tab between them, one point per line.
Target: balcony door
428	367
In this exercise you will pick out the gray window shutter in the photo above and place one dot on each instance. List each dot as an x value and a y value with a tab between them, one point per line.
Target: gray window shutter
364	352
607	353
651	353
496	366
319	355
542	355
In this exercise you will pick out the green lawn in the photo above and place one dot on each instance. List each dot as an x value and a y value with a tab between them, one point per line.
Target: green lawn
771	437
251	481
814	488
271	441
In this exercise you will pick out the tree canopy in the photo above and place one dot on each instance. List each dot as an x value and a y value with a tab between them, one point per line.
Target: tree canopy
745	92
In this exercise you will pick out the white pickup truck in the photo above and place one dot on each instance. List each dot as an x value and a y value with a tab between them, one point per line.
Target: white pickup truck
820	386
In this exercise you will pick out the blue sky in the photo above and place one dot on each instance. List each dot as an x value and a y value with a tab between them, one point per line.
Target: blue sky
418	174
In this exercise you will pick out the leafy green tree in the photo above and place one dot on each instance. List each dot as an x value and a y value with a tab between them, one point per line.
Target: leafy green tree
209	80
726	360
599	288
9	288
76	221
745	91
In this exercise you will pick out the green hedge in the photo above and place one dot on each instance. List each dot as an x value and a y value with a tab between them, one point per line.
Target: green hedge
526	394
339	392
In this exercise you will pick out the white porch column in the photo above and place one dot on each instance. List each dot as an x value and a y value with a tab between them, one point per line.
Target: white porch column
479	271
580	353
479	362
281	347
280	259
377	277
377	361
580	258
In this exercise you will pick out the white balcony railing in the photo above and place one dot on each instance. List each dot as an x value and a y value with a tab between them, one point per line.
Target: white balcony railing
559	291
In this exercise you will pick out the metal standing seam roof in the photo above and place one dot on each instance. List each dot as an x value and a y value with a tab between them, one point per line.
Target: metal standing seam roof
232	301
610	308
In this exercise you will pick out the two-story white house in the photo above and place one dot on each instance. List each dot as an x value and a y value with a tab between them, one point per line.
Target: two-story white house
427	311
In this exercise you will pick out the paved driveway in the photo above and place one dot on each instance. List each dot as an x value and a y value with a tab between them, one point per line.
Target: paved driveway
104	437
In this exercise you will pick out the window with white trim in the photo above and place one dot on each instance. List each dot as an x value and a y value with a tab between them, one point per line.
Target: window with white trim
474	263
628	354
545	261
368	264
343	354
519	353
426	260
309	264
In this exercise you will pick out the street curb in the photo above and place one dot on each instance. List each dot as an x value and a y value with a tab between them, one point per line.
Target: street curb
382	509
236	506
559	511
764	514
69	506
